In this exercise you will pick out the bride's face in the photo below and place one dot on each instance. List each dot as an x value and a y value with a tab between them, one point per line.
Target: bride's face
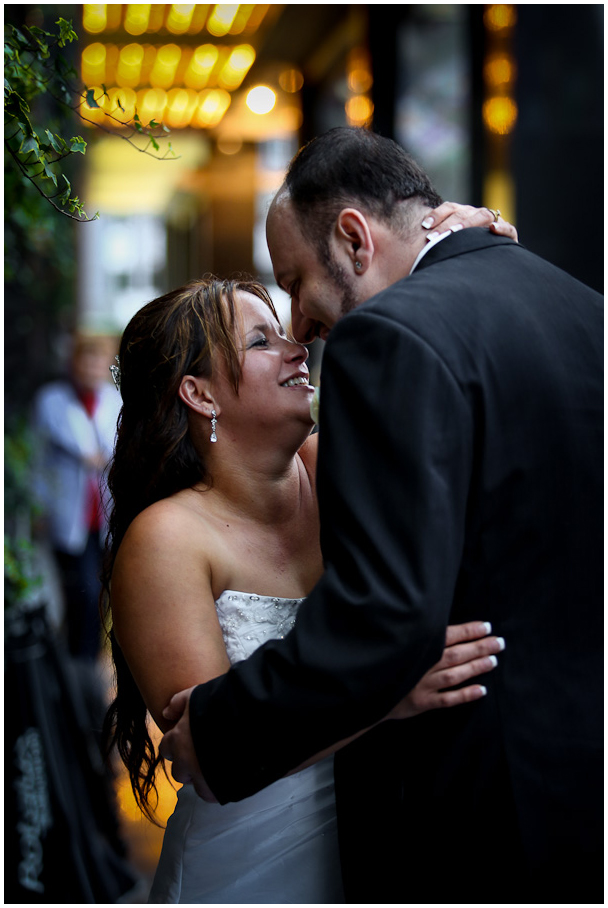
274	383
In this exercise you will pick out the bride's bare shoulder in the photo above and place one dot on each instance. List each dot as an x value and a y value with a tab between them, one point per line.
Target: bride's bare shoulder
167	524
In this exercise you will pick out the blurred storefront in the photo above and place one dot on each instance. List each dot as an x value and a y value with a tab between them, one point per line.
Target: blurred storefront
477	93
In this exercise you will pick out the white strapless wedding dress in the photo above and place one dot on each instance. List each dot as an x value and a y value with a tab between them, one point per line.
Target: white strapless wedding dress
279	846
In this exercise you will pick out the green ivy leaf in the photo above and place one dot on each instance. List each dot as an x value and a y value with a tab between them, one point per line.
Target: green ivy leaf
56	142
77	143
29	144
66	32
91	98
49	173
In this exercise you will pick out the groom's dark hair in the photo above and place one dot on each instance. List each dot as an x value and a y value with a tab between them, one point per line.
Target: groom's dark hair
353	167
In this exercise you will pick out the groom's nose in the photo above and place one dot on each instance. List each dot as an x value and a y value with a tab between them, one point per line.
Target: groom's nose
304	330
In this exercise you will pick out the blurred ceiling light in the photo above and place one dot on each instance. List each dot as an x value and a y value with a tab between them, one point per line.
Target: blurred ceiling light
130	61
199	17
93	114
500	115
165	66
201	64
358	69
181	104
242	17
93	68
236	67
261	99
291	80
180	18
94	17
137	18
499	69
359	110
221	19
500	15
360	80
151	103
211	107
120	104
257	15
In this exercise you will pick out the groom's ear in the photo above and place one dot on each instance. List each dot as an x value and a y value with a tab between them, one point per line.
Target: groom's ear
195	393
353	237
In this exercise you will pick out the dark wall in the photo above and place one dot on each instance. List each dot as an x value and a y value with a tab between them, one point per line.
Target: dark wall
558	149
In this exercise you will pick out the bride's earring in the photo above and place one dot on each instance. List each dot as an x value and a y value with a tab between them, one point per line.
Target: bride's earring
213	436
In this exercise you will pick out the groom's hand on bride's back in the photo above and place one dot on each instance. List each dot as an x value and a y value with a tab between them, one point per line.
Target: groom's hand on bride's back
177	746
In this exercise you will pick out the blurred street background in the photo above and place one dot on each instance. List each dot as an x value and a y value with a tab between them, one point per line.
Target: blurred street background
179	122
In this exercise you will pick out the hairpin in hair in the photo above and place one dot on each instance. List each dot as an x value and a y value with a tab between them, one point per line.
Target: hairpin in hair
115	370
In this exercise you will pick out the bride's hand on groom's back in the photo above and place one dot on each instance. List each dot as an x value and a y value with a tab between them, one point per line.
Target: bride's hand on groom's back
178	747
470	650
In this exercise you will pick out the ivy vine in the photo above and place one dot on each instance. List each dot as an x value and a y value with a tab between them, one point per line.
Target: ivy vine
35	67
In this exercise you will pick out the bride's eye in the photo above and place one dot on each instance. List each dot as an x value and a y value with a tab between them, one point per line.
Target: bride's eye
260	342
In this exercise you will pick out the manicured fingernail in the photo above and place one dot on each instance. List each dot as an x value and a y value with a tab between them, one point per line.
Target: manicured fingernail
501	642
493	660
432	236
428	222
456	227
483	690
488	627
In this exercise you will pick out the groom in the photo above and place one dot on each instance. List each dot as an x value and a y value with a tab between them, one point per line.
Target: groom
460	473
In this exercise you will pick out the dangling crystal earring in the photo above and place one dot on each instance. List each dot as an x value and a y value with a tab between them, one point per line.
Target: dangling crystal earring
213	425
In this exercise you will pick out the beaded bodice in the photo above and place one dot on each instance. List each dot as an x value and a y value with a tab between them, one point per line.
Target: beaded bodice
248	620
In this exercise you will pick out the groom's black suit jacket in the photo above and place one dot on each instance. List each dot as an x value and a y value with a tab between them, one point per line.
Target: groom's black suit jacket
460	477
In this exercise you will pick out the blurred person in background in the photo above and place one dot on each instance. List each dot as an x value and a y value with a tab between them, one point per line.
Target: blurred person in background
460	468
214	541
75	427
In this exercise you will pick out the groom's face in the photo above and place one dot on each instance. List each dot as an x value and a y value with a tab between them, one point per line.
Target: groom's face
320	293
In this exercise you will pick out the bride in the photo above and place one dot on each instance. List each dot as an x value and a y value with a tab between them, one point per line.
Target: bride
214	541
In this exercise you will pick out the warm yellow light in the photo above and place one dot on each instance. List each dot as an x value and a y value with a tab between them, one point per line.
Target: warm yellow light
165	66
137	18
261	99
211	107
201	64
94	17
236	67
360	80
242	18
120	104
256	16
180	18
499	16
499	70
157	17
291	80
221	19
358	110
500	115
114	15
93	64
181	104
499	192
151	103
359	71
130	61
93	115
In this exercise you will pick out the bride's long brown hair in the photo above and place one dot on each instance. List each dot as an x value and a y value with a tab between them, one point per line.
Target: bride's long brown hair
183	332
